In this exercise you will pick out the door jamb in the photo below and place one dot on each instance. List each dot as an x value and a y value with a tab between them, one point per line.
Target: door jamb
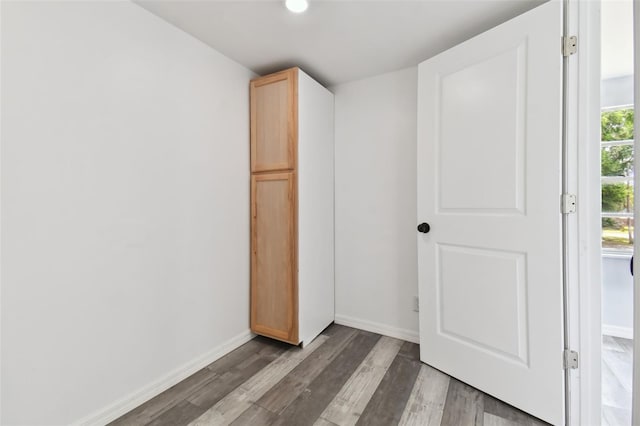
635	409
583	228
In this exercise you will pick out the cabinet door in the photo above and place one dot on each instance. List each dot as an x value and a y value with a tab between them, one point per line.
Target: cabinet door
274	128
274	292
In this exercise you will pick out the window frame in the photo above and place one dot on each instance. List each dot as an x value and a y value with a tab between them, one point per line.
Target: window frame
609	251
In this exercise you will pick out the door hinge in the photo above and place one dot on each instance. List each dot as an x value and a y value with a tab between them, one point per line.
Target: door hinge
568	203
569	45
570	359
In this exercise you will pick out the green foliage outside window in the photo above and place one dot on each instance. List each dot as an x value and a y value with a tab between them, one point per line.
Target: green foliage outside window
617	125
614	197
617	161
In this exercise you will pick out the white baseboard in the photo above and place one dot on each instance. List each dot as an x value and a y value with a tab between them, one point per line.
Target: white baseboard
617	331
375	327
142	395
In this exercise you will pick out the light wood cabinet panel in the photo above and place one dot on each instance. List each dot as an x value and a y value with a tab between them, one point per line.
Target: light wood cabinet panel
274	261
274	122
292	259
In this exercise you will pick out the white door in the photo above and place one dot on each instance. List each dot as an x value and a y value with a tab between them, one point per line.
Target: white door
489	186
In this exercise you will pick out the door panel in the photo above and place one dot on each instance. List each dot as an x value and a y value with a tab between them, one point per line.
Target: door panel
499	327
465	92
489	184
273	256
274	130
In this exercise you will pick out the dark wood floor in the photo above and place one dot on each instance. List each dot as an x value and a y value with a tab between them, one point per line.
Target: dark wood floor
344	377
617	374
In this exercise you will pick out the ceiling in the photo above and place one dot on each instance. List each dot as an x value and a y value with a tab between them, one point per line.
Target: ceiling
617	38
343	40
335	41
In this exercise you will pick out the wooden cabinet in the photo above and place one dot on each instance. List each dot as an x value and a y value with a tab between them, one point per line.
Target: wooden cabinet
292	228
274	122
273	264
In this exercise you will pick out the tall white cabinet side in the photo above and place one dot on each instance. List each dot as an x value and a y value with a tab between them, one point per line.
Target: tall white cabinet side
315	207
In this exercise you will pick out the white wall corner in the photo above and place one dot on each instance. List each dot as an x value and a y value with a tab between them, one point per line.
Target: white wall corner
144	394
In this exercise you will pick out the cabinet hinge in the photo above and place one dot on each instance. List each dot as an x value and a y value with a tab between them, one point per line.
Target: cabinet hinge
570	359
568	203
569	45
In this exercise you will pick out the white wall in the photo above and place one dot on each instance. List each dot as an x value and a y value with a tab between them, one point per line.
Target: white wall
376	259
125	220
616	91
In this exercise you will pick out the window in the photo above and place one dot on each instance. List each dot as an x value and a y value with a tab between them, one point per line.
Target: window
617	178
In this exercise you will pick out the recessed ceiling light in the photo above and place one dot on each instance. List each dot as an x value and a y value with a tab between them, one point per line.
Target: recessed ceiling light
297	6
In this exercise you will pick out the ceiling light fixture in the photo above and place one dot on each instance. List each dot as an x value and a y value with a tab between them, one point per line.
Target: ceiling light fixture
297	6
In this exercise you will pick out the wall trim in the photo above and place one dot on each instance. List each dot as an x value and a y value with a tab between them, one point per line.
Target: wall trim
142	395
376	327
617	331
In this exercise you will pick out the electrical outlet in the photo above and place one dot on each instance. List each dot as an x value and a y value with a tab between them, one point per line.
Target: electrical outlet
416	304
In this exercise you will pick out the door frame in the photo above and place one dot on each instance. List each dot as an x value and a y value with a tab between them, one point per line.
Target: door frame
635	409
582	174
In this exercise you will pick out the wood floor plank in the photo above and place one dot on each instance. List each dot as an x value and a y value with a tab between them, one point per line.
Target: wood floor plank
255	416
258	385
493	420
427	398
505	411
153	408
259	345
354	376
147	412
278	398
464	405
347	406
334	328
387	403
323	422
410	350
271	349
211	393
308	406
240	399
179	414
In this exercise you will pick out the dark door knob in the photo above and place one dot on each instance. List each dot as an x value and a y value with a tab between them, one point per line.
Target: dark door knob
424	228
